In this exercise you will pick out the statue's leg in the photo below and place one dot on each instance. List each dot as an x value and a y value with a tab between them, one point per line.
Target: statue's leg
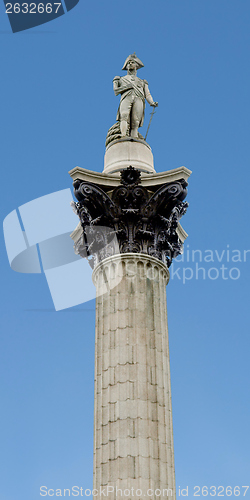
136	116
123	127
125	108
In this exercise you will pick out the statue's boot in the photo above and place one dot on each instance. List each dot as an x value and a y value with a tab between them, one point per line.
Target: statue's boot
123	127
134	127
134	133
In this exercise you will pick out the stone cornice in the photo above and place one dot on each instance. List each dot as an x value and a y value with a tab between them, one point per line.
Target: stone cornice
107	181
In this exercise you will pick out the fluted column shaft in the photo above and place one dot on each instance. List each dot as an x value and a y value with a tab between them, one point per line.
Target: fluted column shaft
133	435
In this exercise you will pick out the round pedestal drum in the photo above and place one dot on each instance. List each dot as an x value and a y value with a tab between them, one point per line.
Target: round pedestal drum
124	153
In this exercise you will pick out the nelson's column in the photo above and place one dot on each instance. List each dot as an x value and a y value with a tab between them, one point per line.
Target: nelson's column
129	231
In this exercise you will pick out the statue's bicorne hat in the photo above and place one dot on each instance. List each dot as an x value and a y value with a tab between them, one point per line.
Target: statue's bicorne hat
133	57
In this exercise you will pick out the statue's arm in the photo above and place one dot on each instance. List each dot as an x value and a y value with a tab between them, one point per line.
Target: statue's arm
116	85
148	96
120	85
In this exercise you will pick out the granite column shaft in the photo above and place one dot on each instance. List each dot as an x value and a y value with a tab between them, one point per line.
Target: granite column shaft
133	434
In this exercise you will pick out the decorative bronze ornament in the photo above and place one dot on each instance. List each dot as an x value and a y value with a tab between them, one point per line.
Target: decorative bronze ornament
143	222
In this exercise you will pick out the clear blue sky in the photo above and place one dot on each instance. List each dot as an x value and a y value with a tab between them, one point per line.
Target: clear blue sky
57	104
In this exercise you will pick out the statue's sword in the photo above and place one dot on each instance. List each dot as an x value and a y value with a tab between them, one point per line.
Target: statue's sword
152	114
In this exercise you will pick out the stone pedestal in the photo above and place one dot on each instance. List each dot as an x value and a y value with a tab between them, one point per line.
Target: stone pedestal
133	435
126	152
